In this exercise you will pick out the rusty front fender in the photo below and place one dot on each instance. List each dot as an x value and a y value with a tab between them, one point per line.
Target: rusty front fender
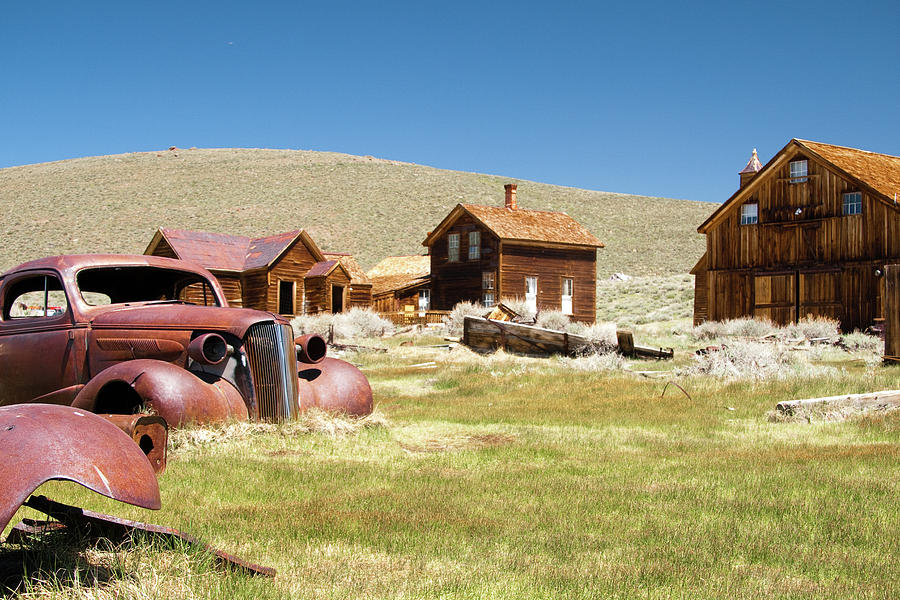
40	442
177	395
335	385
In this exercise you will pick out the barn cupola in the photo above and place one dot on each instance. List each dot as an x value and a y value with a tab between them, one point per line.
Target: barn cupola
753	167
510	196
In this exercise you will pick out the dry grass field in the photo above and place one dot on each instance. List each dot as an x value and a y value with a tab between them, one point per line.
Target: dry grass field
370	207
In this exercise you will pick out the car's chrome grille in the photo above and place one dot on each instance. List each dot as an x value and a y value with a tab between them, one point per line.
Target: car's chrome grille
273	365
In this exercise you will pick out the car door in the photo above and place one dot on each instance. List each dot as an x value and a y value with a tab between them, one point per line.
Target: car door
37	341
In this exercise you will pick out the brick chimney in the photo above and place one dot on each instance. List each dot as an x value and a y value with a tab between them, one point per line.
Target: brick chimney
510	196
752	168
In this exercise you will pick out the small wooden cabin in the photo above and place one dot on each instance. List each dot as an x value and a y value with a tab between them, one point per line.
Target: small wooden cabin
809	233
487	253
401	283
360	286
286	273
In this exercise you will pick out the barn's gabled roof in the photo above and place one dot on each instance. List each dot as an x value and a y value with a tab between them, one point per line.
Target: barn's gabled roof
325	268
878	173
399	272
224	252
357	275
543	227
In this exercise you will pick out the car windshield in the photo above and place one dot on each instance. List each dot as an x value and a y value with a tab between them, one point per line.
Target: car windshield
118	285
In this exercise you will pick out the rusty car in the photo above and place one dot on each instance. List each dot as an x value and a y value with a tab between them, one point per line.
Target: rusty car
121	334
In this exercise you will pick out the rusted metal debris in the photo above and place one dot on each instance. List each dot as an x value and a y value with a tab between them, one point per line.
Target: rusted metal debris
92	525
127	334
149	432
40	442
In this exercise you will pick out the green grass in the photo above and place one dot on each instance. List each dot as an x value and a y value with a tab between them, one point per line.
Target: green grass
347	203
521	478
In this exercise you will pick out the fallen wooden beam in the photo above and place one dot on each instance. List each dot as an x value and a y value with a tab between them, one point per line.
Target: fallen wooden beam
871	400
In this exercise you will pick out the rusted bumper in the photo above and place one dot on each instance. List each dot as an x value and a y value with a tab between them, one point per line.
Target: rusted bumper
40	442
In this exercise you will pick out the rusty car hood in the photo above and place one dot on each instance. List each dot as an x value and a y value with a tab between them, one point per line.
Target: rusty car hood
150	315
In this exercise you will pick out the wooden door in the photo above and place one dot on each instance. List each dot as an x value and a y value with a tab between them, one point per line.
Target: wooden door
820	295
775	298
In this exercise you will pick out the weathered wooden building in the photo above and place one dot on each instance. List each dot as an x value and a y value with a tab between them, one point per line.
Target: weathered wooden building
360	286
486	253
809	233
401	283
286	273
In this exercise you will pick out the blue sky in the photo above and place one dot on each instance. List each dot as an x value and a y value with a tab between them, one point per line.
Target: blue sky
656	98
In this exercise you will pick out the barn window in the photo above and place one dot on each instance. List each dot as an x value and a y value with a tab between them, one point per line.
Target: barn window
474	245
487	298
487	280
799	171
749	213
453	247
852	203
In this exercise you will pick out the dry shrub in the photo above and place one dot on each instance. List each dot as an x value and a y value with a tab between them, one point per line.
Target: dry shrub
553	319
520	307
755	360
454	321
809	328
601	335
862	342
813	328
354	323
598	361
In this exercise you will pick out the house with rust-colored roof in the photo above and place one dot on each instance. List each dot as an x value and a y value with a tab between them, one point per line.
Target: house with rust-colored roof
809	233
285	273
487	253
398	283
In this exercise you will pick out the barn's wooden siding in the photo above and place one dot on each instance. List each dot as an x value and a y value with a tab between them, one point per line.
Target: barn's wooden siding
454	282
803	257
319	291
551	266
255	289
164	249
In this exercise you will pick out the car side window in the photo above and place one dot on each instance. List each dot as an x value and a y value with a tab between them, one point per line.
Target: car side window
36	296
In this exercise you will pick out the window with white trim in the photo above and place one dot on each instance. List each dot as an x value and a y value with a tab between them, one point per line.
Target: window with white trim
566	300
474	245
487	280
852	203
424	301
749	213
487	298
531	293
453	247
799	170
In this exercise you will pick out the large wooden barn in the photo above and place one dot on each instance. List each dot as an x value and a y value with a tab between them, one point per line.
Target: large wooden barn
809	233
286	273
487	253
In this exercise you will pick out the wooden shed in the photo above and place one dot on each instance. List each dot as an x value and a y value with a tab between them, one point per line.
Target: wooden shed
285	273
401	283
809	233
487	253
360	286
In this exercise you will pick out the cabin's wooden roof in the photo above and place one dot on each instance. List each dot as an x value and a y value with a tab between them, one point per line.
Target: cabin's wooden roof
357	275
399	272
539	226
224	252
879	173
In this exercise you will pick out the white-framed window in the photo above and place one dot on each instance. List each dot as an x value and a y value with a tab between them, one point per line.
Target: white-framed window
487	280
853	203
487	298
474	245
424	301
453	247
566	300
749	213
531	293
799	171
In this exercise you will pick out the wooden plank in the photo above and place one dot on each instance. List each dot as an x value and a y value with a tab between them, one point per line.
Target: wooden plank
892	312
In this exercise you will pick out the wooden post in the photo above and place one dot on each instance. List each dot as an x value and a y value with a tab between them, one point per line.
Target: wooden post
891	305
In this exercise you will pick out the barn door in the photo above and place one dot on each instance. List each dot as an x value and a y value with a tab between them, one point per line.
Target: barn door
820	295
775	297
